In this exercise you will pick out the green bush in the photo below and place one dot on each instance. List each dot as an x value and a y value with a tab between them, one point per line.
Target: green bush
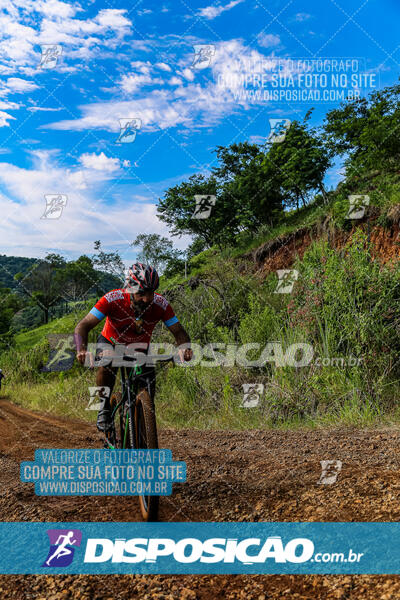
344	304
348	303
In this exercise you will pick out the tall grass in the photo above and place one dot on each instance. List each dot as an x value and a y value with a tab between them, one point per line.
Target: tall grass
345	305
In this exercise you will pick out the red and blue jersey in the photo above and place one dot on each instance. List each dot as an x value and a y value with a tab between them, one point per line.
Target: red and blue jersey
123	325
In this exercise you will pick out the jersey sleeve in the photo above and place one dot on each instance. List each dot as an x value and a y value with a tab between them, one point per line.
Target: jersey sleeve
101	309
106	304
169	318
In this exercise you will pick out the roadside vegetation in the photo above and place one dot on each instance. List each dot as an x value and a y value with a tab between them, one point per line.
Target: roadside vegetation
344	304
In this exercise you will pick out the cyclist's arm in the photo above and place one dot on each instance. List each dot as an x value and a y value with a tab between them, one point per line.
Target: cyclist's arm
179	333
81	334
181	337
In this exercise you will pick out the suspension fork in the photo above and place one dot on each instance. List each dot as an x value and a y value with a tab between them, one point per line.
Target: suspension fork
126	381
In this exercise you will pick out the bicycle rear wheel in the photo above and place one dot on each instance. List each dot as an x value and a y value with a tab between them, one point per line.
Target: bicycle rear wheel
146	438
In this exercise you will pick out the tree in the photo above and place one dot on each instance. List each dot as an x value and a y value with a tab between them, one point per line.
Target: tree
110	262
248	186
366	131
252	186
10	304
244	198
156	250
299	162
195	248
77	278
235	160
178	207
43	284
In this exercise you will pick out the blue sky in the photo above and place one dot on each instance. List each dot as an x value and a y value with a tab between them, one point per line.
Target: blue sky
60	121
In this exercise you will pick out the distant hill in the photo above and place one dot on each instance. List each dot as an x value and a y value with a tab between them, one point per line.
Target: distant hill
11	265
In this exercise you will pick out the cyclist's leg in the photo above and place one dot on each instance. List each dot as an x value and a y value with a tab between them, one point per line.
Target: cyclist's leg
105	378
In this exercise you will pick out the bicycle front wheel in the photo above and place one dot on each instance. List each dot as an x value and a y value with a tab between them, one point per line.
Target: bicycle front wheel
146	438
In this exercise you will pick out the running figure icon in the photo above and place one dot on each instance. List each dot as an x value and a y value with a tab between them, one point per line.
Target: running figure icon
62	549
61	357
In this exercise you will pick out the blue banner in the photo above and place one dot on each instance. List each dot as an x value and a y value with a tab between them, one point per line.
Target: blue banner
200	548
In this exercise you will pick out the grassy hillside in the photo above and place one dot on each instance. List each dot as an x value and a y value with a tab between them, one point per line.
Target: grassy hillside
344	305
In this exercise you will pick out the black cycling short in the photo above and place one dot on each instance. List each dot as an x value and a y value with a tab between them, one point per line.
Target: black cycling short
148	373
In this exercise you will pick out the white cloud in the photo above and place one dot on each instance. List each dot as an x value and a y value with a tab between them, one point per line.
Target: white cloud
55	8
210	12
55	23
15	84
257	139
5	105
132	83
188	74
99	162
113	18
190	103
42	109
76	179
175	81
163	66
300	17
141	76
87	216
156	111
4	118
268	40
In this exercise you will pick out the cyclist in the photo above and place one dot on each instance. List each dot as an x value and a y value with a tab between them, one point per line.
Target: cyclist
131	314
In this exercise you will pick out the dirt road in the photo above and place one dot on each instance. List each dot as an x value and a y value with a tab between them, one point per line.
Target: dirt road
232	476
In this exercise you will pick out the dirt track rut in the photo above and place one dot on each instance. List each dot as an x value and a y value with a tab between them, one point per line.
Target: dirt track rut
232	476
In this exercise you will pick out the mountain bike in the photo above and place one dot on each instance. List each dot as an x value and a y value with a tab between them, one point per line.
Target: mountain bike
134	420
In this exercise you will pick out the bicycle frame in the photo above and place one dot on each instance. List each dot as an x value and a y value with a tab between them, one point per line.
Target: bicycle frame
128	395
127	379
